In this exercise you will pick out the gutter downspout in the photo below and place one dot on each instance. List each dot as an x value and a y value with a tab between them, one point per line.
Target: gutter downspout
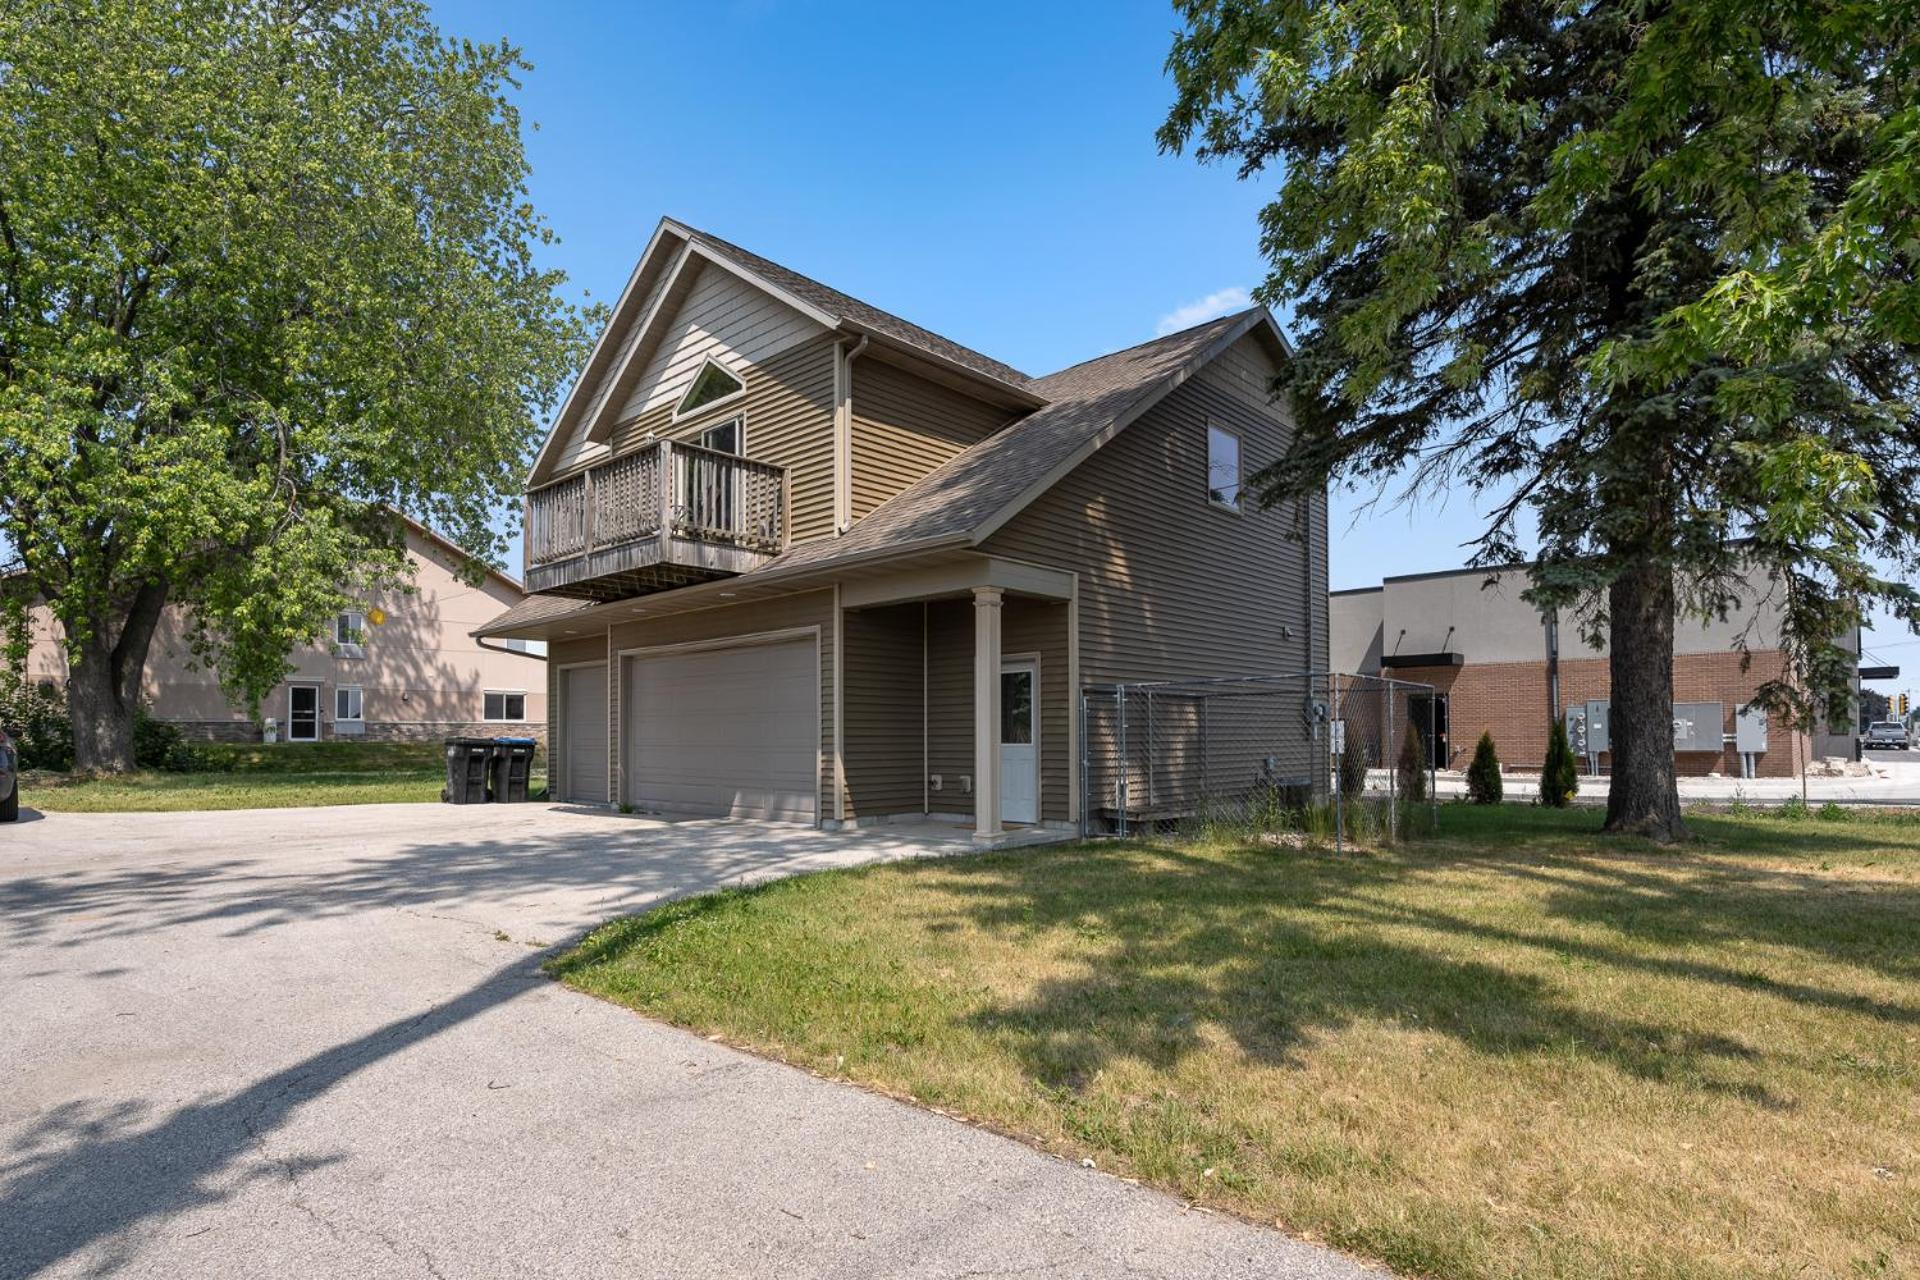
843	432
1552	620
1315	593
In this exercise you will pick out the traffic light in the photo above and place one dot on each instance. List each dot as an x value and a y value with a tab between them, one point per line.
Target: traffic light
1903	706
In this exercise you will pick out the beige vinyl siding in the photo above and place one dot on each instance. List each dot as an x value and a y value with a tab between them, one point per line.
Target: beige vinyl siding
720	316
904	426
881	711
1027	626
1171	585
813	609
579	447
950	702
788	409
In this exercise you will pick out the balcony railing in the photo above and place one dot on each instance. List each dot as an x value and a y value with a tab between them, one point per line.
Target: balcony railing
666	515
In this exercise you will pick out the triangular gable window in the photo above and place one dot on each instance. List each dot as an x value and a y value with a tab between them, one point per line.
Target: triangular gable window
710	386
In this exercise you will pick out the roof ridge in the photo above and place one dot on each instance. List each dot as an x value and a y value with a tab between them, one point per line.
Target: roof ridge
1141	346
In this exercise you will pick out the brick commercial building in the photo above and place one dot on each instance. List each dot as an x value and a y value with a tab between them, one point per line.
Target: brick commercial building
1498	664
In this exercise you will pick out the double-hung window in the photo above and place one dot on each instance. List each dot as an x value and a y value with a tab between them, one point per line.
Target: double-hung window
350	634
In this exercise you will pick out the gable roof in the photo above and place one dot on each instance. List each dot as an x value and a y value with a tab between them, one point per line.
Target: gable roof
673	250
971	495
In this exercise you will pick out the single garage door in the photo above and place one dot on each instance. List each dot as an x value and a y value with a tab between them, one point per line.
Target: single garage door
725	733
583	726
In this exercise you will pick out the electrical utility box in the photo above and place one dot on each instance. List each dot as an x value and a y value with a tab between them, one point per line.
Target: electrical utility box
1576	718
1699	726
1598	738
1750	731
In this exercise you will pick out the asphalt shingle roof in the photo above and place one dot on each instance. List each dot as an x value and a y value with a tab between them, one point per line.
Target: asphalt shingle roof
960	495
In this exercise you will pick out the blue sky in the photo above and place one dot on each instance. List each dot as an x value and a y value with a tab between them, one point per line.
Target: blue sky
987	170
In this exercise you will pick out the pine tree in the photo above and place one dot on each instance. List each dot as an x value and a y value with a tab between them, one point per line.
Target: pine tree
1647	271
1559	780
1483	775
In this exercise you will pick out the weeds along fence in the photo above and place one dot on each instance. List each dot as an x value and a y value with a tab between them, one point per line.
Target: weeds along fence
1343	757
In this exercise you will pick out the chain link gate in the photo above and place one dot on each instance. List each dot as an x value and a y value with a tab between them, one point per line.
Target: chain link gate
1342	756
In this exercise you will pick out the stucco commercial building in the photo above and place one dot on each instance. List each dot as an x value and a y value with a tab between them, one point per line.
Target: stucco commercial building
1499	664
399	666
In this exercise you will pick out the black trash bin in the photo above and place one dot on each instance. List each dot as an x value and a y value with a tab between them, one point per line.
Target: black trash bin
512	766
467	767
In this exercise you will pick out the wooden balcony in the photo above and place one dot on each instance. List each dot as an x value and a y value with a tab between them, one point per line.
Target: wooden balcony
668	515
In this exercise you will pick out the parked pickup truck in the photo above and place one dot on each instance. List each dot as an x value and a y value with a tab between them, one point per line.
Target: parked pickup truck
1887	735
9	779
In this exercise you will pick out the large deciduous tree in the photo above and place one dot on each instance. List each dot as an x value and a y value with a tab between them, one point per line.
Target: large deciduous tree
267	273
1646	269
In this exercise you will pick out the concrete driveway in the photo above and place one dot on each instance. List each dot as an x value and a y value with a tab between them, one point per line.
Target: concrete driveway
292	1042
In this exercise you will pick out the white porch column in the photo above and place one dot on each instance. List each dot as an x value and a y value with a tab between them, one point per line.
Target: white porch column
986	714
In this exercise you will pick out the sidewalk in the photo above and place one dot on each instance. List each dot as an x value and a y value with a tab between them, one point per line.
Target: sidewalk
1888	784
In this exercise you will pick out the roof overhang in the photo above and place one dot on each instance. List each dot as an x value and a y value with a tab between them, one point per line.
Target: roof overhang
760	584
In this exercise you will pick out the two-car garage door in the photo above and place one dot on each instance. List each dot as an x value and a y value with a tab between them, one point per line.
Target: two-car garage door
731	732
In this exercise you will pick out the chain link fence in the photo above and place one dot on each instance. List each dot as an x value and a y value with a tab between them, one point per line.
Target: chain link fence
1343	757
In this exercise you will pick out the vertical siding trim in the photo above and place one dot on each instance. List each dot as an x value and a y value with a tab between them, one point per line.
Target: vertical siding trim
926	732
616	776
839	708
1075	774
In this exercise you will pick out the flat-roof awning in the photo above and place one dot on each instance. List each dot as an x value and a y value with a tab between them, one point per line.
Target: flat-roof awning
1444	659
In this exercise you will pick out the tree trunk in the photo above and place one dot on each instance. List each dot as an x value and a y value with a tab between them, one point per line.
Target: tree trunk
1643	798
103	687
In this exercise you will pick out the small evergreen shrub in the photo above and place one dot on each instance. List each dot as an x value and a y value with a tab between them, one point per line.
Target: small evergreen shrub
1353	769
1559	777
1413	767
36	718
1483	775
159	744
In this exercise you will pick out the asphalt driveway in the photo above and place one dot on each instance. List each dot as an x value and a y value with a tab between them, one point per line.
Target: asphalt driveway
317	1042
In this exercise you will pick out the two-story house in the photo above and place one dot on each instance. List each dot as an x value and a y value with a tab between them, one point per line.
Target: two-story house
798	558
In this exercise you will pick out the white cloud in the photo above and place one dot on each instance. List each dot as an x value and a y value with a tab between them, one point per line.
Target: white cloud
1234	297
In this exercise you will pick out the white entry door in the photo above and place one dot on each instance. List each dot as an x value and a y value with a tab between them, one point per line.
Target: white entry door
1020	742
303	713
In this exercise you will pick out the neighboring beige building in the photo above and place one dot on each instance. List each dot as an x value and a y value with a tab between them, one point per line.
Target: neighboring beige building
416	673
799	558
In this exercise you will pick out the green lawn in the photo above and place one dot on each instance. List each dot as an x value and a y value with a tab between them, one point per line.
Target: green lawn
242	776
1514	1051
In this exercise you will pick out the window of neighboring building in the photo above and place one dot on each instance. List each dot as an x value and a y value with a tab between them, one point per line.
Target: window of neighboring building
709	387
1223	468
504	704
350	633
347	704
